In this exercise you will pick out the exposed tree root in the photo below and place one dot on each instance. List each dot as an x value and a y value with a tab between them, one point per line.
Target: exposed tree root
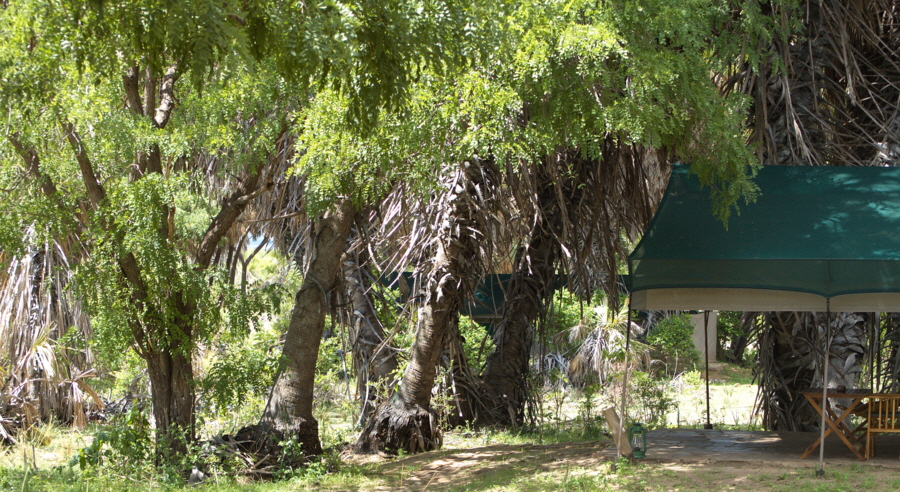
396	427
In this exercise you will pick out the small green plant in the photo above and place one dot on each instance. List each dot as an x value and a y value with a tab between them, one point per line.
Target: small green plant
652	399
126	443
672	340
586	407
556	391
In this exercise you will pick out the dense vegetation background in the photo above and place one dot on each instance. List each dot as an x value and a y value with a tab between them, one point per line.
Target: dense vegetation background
209	204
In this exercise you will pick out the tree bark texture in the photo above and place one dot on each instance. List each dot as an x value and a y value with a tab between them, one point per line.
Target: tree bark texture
506	372
792	357
373	361
171	376
290	407
889	374
408	422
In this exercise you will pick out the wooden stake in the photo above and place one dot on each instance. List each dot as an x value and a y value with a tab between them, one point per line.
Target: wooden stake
620	436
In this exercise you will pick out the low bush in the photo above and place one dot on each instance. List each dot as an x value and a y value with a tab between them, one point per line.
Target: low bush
672	342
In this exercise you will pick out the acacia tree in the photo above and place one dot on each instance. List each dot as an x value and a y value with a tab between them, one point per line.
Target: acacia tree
341	174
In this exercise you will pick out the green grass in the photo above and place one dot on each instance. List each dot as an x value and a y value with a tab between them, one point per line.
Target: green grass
558	455
472	461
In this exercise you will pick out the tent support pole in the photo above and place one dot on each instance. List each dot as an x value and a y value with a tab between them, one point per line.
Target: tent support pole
706	356
625	377
821	471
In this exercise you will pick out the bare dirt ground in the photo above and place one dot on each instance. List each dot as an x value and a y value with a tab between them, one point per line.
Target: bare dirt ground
588	466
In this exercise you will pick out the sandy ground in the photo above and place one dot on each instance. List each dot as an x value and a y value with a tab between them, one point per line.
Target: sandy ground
502	467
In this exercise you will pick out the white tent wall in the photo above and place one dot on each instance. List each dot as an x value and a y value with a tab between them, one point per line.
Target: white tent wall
705	341
712	299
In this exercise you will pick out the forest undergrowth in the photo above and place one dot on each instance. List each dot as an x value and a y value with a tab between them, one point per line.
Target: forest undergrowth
116	455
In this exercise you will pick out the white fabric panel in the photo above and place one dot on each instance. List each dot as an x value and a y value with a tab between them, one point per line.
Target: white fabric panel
876	302
761	300
726	300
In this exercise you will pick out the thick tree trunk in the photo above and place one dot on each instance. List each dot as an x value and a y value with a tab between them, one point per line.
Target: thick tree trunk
407	422
506	372
171	376
374	363
290	407
792	359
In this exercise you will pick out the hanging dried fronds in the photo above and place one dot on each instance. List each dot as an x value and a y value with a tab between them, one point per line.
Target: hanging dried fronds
829	93
792	357
45	363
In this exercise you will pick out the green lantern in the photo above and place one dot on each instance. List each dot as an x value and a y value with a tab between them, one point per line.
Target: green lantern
637	436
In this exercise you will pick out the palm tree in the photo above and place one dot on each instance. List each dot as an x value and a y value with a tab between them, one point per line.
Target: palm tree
454	241
44	377
826	96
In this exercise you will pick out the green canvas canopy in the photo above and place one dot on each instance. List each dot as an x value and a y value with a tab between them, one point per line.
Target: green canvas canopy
814	233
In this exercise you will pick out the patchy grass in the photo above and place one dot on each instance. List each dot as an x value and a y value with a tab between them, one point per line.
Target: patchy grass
519	467
564	454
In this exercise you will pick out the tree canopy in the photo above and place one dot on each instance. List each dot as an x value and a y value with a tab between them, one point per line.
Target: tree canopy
147	140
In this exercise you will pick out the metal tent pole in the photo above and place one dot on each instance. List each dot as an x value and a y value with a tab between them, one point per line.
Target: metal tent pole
821	471
625	378
706	356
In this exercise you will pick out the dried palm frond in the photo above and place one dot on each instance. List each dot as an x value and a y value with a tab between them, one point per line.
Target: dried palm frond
42	378
829	94
792	358
600	351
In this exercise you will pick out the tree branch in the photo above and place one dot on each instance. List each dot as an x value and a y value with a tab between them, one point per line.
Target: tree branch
167	98
149	91
34	166
95	190
232	209
132	92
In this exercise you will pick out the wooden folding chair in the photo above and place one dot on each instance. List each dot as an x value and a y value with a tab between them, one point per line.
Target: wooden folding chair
883	416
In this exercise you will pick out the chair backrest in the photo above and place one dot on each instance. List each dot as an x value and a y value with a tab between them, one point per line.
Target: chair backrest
884	413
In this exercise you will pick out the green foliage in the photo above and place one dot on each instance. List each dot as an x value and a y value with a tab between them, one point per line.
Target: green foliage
477	343
242	371
567	310
332	381
125	443
728	325
672	337
651	399
562	74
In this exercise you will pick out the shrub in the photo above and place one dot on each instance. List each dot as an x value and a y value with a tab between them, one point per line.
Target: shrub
672	339
651	398
477	342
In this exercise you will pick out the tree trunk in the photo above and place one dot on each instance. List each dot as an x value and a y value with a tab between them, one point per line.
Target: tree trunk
374	363
791	359
407	422
889	380
290	407
171	376
506	372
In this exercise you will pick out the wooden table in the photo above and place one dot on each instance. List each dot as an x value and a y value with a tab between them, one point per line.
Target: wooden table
838	423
